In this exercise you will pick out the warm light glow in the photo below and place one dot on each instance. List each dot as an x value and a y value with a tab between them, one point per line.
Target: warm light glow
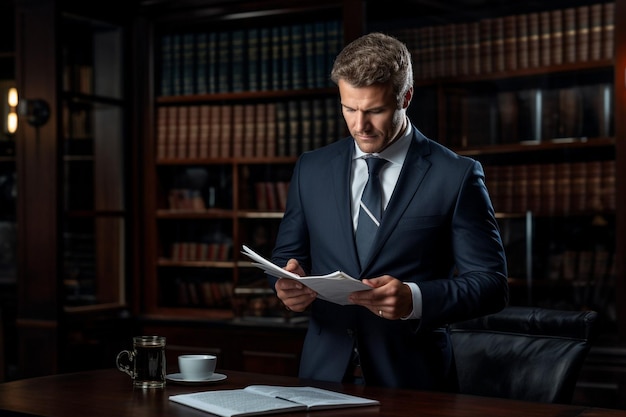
12	123
12	97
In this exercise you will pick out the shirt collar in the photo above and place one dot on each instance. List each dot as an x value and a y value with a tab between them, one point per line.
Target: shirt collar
396	152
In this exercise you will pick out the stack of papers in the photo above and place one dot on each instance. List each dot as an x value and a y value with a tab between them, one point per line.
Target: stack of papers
334	287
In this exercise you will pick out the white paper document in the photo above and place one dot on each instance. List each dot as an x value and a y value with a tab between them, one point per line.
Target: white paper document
268	399
334	287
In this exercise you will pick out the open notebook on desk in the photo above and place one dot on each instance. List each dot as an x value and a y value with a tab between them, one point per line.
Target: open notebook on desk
268	399
334	287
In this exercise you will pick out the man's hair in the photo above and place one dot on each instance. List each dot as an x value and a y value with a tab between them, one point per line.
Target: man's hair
375	58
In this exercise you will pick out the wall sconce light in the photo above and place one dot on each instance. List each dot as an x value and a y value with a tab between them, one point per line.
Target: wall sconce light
37	111
12	116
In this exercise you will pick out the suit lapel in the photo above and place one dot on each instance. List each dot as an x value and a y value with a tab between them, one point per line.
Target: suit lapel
341	165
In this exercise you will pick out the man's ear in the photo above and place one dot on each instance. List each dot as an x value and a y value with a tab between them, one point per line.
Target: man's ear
407	98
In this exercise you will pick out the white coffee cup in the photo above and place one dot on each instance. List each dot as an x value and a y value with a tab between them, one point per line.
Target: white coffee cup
197	367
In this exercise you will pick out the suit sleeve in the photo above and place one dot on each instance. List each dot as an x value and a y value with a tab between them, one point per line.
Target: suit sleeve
292	239
480	284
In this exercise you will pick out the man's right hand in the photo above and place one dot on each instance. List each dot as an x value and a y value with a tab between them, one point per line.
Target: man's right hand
295	296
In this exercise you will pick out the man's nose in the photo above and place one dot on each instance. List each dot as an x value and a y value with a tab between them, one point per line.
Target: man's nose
361	120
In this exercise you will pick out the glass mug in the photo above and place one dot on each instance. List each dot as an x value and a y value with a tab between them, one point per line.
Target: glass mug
145	363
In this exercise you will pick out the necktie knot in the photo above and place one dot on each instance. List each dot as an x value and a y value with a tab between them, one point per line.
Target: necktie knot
374	165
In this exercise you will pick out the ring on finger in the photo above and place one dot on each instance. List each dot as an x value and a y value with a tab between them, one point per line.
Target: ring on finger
380	313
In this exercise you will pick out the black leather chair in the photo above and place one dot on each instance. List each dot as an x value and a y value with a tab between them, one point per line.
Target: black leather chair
523	353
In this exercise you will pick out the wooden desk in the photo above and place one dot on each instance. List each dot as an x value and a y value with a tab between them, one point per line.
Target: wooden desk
109	393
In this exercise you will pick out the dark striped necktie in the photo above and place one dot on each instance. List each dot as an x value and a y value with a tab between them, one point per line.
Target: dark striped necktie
371	209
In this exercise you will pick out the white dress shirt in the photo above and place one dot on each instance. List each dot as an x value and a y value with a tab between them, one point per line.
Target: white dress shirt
395	154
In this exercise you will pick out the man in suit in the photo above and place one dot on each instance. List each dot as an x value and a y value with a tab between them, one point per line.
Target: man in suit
437	256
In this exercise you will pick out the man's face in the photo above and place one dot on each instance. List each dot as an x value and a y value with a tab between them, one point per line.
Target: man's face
372	115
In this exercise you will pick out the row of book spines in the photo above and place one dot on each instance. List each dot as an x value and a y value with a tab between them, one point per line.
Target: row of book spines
531	115
508	43
268	196
185	199
271	195
246	130
586	265
201	251
559	188
287	57
193	292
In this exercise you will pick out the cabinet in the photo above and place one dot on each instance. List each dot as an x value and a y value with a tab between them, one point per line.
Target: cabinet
72	207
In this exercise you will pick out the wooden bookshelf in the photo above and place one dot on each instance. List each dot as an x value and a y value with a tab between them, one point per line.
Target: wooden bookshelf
532	91
510	89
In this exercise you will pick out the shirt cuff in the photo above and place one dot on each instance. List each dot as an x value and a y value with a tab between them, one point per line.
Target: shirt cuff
417	302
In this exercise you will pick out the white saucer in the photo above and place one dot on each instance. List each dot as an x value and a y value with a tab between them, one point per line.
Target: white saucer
178	378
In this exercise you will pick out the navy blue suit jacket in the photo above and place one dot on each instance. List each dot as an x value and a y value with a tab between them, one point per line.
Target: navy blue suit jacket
438	230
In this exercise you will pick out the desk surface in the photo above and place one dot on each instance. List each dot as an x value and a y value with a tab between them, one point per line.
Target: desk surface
109	393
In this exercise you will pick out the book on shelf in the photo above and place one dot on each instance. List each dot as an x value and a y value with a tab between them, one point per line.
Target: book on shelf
193	138
215	130
177	72
237	129
294	125
583	22
334	41
204	130
534	50
319	38
188	63
462	49
260	126
282	128
172	136
569	35
201	64
285	70
166	65
226	129
253	40
182	135
497	44
212	48
308	34
162	132
334	287
596	12
265	59
556	37
238	62
608	37
545	39
522	41
224	74
509	28
250	135
268	399
297	57
271	130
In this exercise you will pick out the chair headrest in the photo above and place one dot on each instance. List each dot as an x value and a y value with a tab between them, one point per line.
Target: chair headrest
536	321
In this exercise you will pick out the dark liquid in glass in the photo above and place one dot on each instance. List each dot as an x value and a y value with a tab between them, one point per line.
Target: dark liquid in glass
150	366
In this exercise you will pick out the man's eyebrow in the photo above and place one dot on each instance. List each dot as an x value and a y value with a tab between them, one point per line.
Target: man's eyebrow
377	108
